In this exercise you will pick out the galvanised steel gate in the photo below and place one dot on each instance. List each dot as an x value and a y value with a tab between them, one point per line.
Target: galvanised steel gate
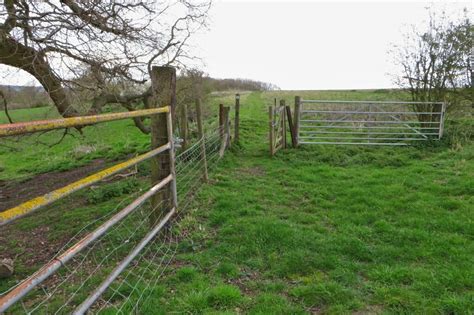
368	122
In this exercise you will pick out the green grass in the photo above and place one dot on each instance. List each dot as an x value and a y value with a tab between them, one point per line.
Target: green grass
320	229
110	141
44	152
331	229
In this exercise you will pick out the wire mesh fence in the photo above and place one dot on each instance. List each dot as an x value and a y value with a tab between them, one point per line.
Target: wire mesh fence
75	280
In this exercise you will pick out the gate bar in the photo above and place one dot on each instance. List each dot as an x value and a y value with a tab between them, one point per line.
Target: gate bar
359	143
357	112
42	125
368	102
365	133
414	127
38	202
365	138
52	266
367	127
84	306
370	121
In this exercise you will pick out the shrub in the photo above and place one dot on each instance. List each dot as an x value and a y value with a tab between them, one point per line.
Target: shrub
458	133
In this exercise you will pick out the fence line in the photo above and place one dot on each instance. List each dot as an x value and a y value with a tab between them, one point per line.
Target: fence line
34	204
92	298
136	243
87	257
69	283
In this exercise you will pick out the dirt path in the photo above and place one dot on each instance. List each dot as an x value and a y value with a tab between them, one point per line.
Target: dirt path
15	192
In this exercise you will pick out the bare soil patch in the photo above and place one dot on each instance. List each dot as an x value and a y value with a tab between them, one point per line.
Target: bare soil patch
13	193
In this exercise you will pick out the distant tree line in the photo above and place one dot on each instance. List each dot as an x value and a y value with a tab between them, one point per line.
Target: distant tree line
29	96
190	84
238	84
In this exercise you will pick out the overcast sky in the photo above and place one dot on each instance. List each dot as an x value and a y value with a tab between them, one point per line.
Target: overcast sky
310	44
302	44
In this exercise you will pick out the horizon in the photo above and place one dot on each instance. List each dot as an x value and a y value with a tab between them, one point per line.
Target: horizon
247	40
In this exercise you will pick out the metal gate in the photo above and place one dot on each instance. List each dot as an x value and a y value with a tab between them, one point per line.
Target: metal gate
368	122
277	124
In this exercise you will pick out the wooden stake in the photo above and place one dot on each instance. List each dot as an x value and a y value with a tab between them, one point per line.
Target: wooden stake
163	86
297	119
184	126
283	122
221	121
203	140
225	143
227	126
271	135
290	126
237	117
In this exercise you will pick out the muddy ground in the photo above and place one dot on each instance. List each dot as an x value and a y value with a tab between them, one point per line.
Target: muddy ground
13	193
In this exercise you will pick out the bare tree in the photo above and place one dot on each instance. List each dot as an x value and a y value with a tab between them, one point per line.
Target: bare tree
435	63
88	48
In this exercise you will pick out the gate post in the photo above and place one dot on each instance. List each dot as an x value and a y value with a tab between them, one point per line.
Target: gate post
163	88
290	126
283	122
441	120
297	120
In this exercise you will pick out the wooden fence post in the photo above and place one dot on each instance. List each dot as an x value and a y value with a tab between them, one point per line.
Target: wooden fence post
221	121
237	117
283	122
271	135
290	125
184	126
227	126
163	86
201	136
297	119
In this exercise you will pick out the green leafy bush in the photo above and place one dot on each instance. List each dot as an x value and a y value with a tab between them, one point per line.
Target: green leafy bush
458	133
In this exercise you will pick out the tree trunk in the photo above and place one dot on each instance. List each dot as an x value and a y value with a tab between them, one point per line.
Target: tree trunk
34	62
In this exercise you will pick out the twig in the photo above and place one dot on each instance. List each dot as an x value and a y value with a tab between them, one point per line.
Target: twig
5	107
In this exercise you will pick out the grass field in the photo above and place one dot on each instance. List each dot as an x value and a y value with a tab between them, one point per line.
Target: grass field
323	229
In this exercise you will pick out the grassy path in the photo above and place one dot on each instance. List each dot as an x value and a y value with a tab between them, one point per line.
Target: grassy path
322	229
327	229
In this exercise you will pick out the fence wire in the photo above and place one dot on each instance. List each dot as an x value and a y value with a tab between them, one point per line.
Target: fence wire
65	290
